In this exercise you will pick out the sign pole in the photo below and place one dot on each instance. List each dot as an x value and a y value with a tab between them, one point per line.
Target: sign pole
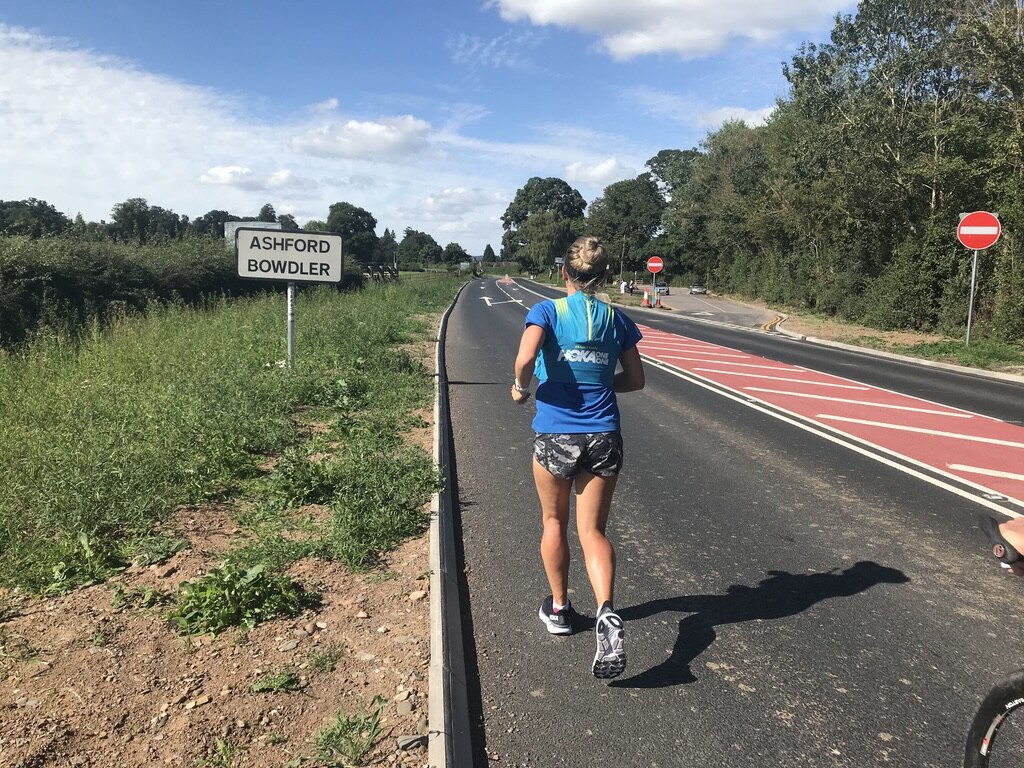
291	325
289	257
970	306
978	230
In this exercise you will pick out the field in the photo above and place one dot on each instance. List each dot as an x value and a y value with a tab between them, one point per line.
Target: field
207	558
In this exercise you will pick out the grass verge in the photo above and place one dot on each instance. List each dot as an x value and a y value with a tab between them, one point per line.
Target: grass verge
103	439
982	353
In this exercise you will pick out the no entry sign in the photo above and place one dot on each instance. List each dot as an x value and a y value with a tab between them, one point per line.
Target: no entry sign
655	264
978	230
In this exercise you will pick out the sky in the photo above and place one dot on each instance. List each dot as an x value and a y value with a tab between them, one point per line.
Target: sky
428	114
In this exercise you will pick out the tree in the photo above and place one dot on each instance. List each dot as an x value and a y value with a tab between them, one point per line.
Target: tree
545	236
356	227
316	225
454	254
489	254
672	169
418	249
287	221
536	196
387	248
267	213
130	220
31	217
627	215
211	223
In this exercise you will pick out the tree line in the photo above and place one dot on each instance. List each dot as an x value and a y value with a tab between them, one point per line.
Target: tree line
846	201
61	275
135	221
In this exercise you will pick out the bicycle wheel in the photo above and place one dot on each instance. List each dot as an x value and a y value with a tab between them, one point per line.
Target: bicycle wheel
996	738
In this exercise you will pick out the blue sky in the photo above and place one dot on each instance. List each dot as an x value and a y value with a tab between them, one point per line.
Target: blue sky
429	115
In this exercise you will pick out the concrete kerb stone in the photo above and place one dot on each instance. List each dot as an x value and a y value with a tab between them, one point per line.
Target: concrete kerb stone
447	708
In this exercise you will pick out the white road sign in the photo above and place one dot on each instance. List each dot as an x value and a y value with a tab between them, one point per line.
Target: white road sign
292	256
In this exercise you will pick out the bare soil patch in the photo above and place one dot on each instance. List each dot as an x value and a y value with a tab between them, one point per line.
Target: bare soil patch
97	685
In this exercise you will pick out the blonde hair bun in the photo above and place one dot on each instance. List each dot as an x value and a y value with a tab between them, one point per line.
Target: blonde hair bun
587	258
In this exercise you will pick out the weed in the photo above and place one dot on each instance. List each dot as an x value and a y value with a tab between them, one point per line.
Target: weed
153	549
224	753
275	682
275	738
86	561
379	577
138	597
13	649
229	597
9	608
348	740
99	639
326	660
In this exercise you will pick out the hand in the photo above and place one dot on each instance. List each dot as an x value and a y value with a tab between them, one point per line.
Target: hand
519	397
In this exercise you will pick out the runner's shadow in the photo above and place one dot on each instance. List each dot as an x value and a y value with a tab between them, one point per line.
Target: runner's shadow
781	594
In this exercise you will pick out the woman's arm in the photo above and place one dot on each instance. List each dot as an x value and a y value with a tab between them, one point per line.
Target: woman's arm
526	360
631	377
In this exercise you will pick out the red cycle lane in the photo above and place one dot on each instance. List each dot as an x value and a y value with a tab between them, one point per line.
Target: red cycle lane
983	452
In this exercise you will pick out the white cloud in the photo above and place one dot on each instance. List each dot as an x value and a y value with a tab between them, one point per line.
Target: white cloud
388	138
690	111
599	174
462	114
243	178
455	202
327	105
687	28
504	51
85	131
714	118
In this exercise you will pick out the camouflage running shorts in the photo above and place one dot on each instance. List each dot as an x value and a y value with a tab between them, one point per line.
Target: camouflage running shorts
565	455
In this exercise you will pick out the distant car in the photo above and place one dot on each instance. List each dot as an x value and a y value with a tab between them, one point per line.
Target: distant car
662	288
698	288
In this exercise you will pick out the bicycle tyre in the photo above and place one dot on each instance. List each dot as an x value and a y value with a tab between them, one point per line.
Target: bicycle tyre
1001	702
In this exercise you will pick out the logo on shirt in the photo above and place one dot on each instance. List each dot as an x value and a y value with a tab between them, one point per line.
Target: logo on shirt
583	356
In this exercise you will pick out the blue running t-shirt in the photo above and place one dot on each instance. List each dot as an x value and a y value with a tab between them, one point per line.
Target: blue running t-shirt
583	338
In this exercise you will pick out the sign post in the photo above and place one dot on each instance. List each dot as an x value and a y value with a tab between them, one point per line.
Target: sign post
654	266
292	257
977	231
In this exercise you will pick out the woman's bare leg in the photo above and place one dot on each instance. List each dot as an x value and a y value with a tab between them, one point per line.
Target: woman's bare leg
553	493
593	502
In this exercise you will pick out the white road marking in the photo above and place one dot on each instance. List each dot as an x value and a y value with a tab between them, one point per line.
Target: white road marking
491	302
691	350
782	378
983	471
859	402
729	362
852	443
922	431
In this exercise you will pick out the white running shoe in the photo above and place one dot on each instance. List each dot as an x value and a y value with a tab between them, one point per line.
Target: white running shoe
610	659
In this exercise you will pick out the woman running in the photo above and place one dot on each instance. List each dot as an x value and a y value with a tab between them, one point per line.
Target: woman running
575	343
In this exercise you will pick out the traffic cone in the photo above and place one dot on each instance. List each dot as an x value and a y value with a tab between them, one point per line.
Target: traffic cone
657	302
646	302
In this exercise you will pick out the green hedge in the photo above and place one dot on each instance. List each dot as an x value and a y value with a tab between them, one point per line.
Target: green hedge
64	284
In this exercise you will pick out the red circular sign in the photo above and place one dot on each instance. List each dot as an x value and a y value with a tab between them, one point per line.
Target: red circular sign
655	264
978	230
